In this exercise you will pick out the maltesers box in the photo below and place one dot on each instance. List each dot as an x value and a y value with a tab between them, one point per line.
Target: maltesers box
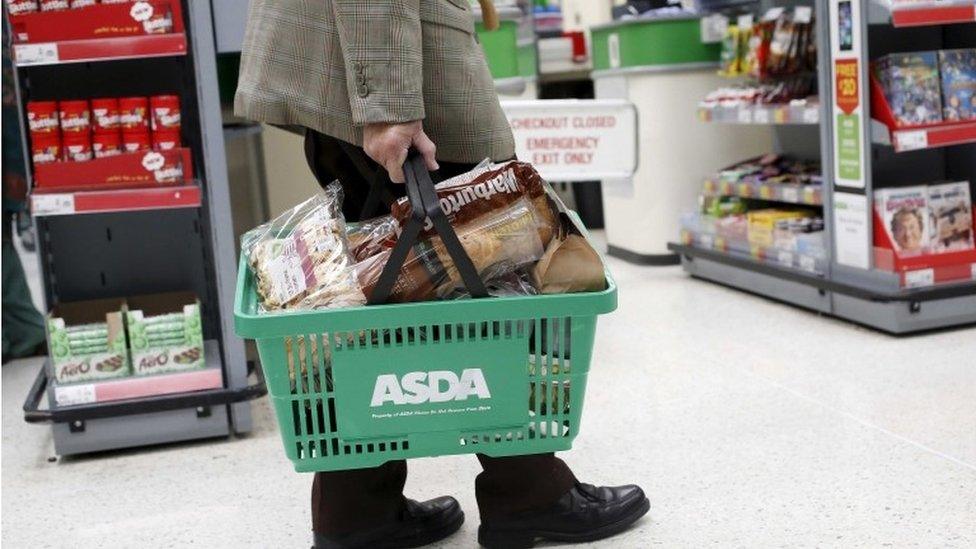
99	21
165	333
86	341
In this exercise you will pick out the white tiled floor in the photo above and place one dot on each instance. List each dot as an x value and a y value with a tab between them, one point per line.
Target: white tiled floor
749	424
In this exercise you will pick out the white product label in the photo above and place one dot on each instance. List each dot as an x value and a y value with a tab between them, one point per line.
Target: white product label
851	230
811	115
713	28
706	241
52	204
910	141
745	115
744	21
808	263
141	11
287	276
785	258
761	115
790	194
71	395
919	278
613	50
802	14
36	54
153	161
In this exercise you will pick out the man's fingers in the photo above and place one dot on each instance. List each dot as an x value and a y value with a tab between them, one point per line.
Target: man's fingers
427	149
394	167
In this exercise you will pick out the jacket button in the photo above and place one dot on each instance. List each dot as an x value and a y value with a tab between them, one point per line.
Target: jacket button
362	90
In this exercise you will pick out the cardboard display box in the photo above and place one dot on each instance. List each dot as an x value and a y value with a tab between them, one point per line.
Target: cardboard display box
86	341
165	333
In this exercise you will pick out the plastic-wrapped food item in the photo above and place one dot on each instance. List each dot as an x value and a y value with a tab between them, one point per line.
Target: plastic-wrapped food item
499	242
301	259
569	265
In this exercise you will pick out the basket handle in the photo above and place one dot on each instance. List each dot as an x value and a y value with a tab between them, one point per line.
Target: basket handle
424	205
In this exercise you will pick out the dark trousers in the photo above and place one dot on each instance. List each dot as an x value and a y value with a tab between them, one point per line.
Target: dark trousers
344	501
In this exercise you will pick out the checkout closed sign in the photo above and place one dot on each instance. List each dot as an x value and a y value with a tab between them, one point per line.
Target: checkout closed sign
576	139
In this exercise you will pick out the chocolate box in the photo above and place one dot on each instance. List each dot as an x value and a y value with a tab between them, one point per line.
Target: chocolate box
165	333
86	341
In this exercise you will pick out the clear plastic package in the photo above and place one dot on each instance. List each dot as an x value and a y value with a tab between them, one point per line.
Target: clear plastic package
301	259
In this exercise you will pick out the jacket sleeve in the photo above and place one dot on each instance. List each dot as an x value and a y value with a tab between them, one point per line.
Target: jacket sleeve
382	48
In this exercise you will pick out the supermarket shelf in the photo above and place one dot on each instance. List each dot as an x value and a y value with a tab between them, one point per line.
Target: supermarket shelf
785	260
138	387
808	195
200	399
905	312
966	290
928	137
761	114
99	49
121	200
922	13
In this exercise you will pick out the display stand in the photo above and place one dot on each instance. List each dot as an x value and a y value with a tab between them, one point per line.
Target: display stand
864	280
661	66
139	237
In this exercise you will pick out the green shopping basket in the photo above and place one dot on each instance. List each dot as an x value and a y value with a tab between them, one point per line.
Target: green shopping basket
358	387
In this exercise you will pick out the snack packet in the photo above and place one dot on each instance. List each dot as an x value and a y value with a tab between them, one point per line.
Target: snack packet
301	258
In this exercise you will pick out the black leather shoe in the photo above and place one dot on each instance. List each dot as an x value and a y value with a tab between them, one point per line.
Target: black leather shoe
585	513
418	525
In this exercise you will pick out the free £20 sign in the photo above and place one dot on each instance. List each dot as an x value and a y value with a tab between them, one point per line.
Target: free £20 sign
577	139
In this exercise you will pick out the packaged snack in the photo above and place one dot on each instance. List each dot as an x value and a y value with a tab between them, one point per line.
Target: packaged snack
165	333
165	111
762	223
165	140
905	213
106	144
958	70
87	341
105	115
53	5
134	114
46	148
301	258
569	265
498	242
136	141
75	116
951	223
17	7
77	147
911	86
42	117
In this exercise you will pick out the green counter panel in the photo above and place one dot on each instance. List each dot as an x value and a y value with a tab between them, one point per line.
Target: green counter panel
501	49
653	43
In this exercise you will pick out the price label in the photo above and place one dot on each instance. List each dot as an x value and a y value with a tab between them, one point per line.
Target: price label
613	50
706	241
36	54
745	115
785	258
52	204
920	278
790	194
808	263
811	115
761	116
913	140
972	269
70	395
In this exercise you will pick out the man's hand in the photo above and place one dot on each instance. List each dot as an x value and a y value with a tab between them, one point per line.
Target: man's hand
387	144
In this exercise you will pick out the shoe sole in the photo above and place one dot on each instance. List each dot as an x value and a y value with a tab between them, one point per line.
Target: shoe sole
525	539
427	538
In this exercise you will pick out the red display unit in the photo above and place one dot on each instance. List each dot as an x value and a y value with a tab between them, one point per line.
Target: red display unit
924	269
125	171
923	136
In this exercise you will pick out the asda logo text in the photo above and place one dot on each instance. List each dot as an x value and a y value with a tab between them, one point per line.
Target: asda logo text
424	387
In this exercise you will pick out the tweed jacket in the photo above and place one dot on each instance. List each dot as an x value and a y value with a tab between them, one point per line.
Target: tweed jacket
335	65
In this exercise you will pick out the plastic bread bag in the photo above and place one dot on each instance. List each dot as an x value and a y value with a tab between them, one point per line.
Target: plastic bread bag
301	259
499	242
485	190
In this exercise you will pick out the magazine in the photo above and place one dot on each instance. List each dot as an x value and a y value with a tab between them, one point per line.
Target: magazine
951	217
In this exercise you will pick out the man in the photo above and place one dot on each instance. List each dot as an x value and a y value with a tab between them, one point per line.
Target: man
369	79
